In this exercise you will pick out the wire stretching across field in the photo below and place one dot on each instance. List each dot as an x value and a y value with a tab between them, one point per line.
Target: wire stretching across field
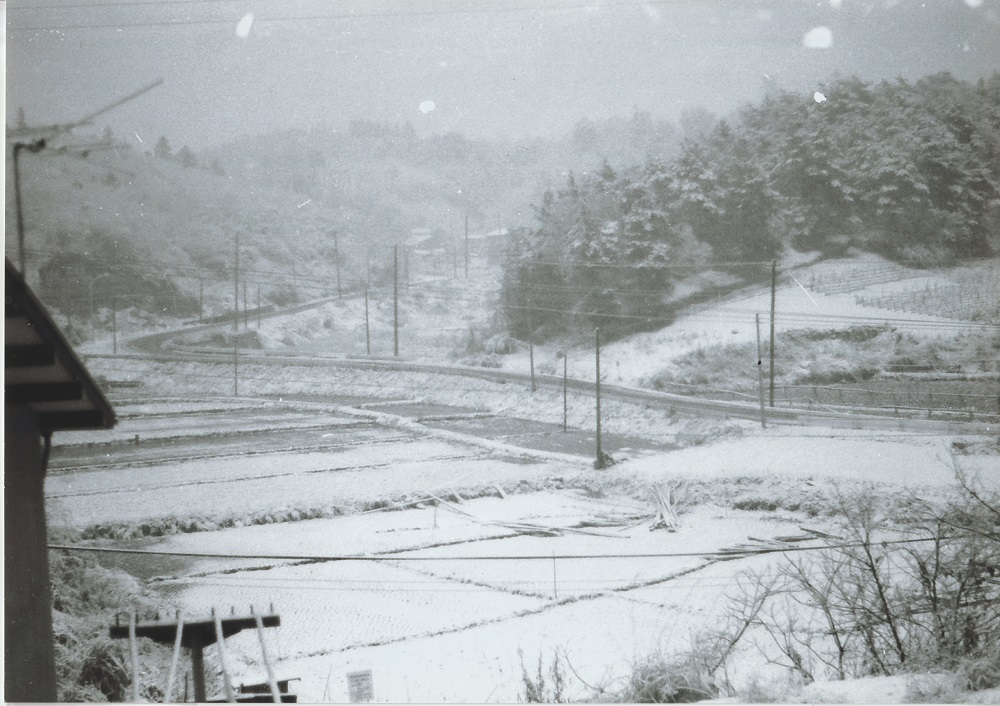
722	554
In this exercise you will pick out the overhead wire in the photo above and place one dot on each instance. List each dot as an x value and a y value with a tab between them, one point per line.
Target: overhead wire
735	553
474	9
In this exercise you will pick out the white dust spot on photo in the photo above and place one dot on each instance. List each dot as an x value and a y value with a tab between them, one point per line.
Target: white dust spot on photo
835	4
819	97
244	25
973	3
818	38
426	107
652	13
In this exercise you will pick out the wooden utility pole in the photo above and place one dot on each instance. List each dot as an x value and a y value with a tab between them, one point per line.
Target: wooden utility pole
454	258
236	369
201	299
368	335
246	310
760	375
114	324
531	346
565	398
467	246
336	256
236	290
599	463
258	306
774	281
395	300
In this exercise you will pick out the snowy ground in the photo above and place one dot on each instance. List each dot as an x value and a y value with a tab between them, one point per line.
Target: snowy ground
455	592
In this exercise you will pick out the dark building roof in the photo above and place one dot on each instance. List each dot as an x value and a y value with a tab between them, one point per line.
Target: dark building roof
40	368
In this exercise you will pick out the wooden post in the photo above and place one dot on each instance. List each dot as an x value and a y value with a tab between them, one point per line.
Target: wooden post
368	335
220	640
275	691
555	586
172	674
29	661
133	648
760	375
395	300
198	667
774	281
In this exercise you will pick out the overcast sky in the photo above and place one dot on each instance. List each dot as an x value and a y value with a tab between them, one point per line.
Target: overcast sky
491	67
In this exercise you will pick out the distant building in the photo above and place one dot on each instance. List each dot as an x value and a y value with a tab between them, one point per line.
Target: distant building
490	244
47	389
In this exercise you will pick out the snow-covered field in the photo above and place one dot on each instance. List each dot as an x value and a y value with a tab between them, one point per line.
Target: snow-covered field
542	556
342	616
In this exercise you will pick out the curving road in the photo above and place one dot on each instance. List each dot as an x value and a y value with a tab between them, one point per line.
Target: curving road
161	347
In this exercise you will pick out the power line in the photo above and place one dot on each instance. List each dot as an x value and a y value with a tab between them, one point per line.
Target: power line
641	266
338	16
735	553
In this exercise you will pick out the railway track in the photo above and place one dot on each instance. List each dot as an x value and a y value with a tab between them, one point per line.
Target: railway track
161	347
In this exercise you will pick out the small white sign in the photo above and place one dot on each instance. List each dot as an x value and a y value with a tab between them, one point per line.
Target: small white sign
359	687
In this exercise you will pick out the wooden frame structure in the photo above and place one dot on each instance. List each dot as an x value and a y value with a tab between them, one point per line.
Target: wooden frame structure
196	635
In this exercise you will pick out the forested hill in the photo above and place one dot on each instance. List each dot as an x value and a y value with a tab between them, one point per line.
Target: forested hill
384	179
907	170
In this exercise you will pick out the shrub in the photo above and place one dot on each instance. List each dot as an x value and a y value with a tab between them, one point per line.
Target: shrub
925	601
546	686
678	679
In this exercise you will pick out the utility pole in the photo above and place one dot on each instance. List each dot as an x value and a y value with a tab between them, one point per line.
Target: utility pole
368	335
236	368
454	258
466	246
201	299
760	375
774	281
114	324
406	265
336	255
236	320
395	300
246	311
531	346
599	463
236	290
258	306
36	146
565	398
